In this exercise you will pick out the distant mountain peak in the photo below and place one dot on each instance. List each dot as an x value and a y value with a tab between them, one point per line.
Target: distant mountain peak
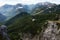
45	3
19	5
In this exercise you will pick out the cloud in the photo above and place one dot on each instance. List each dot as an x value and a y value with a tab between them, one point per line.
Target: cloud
2	2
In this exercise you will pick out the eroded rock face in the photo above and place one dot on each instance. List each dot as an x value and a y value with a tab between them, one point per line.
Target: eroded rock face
51	32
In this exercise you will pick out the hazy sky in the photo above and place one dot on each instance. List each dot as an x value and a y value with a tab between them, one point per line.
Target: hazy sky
2	2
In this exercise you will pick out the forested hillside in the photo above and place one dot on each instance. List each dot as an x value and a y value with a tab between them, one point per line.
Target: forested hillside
25	23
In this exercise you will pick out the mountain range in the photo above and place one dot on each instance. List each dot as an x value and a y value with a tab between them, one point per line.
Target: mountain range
12	10
23	23
31	21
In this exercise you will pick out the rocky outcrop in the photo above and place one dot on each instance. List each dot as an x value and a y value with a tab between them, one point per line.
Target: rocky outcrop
3	33
50	33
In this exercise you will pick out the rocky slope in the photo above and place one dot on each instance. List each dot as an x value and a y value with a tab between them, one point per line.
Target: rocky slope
50	33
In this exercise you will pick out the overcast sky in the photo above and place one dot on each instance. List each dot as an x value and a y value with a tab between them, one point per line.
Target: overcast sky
13	2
